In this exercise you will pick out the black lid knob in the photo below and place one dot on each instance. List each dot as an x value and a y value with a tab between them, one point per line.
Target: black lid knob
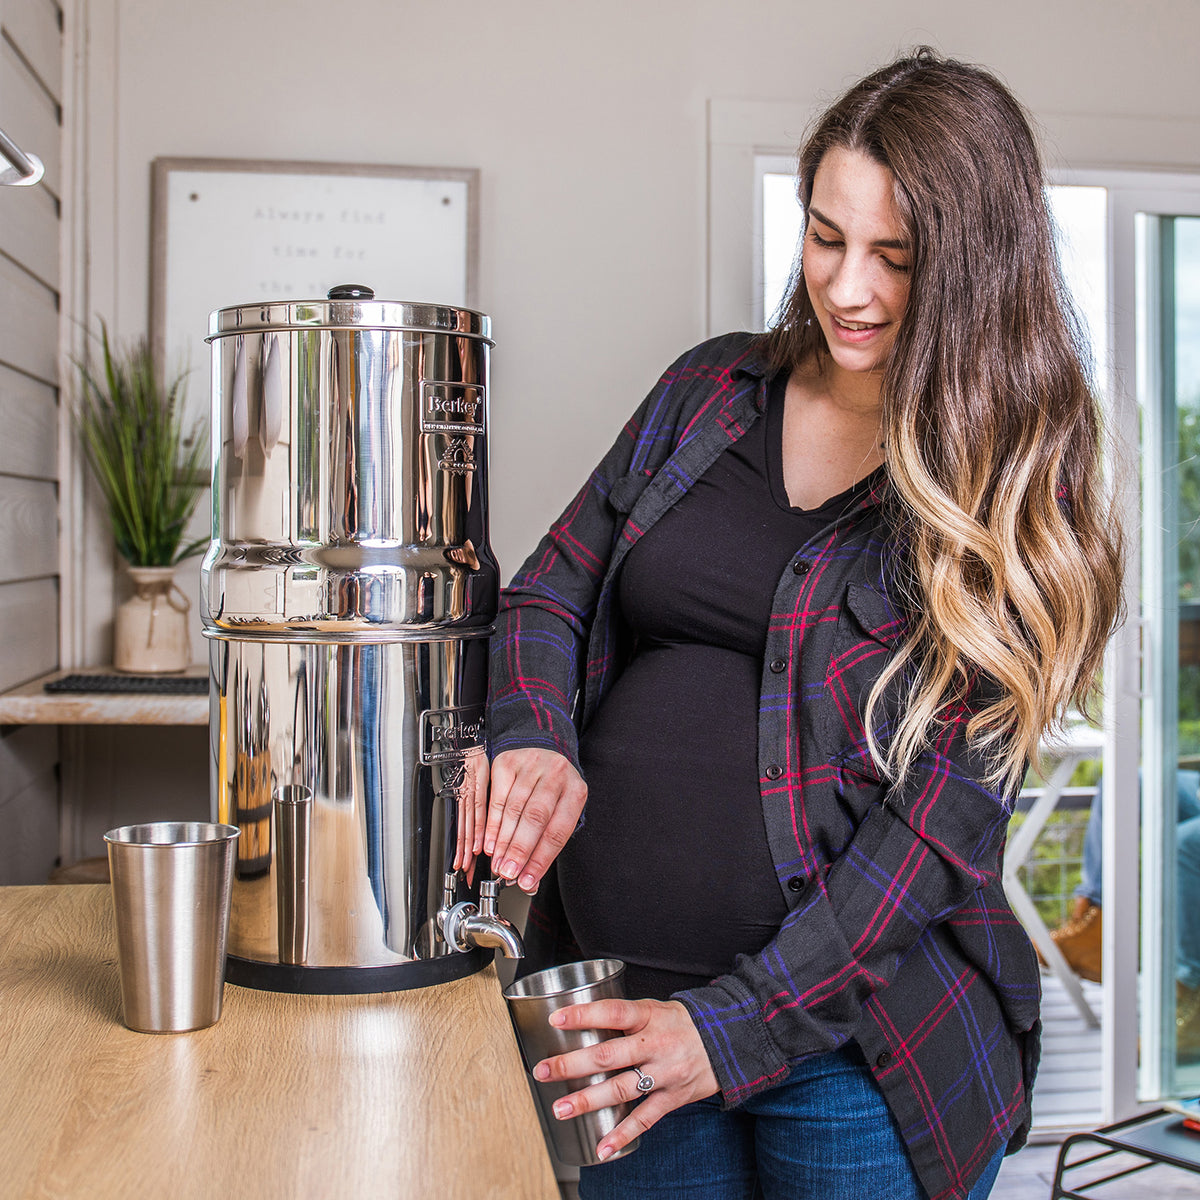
351	291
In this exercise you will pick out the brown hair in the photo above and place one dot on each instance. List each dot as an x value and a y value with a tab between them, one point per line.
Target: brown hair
991	431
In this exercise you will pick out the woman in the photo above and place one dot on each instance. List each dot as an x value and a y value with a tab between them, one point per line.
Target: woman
800	633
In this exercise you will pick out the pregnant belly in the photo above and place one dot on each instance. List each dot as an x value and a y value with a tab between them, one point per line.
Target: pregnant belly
671	869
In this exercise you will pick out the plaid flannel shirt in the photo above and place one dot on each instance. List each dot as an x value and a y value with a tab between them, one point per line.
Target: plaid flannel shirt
898	932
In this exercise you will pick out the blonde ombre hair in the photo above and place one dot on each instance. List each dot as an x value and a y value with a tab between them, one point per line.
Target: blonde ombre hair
1011	552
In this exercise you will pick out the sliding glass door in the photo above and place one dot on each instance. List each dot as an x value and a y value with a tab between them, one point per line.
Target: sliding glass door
1168	261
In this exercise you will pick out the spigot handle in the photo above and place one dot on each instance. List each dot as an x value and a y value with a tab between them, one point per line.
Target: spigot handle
489	894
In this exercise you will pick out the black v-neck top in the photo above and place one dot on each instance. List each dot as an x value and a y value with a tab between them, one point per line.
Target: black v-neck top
671	872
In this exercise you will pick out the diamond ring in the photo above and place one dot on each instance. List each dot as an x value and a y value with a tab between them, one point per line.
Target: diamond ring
645	1082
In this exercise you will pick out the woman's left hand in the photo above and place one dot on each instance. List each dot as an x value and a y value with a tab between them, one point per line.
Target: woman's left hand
660	1040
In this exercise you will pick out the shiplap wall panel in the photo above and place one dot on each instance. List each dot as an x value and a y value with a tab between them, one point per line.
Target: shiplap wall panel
35	29
28	530
31	641
30	94
29	329
29	848
29	421
29	230
23	750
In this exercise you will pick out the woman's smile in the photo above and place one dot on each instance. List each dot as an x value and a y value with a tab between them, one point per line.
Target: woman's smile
855	332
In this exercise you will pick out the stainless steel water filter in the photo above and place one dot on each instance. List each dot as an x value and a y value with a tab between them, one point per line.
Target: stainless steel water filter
348	593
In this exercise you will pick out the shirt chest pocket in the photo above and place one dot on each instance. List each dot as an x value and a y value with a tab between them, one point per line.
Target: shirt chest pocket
869	629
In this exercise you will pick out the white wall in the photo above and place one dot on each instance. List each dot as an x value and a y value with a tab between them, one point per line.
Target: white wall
589	124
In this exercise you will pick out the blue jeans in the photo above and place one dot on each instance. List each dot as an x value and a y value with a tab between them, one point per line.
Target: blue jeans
826	1134
1187	878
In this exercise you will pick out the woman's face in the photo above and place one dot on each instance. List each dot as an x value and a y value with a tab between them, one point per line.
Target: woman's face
856	259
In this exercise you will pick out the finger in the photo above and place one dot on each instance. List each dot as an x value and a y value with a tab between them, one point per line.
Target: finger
518	775
500	784
470	829
621	1088
602	1014
509	794
502	857
651	1110
609	1057
464	818
533	849
480	774
522	827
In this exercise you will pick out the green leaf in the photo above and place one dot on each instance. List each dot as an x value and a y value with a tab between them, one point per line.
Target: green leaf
131	432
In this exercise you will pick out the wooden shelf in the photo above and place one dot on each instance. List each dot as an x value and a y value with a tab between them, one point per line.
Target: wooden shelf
30	704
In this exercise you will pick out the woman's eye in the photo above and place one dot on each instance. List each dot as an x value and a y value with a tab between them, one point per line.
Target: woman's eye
899	268
820	241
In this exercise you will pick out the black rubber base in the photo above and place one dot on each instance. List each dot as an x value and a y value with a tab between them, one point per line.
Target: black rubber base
354	981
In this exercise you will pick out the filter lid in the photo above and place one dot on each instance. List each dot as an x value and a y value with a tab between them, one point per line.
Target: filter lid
349	306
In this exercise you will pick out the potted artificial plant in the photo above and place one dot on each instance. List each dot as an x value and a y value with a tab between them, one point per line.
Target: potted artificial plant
148	467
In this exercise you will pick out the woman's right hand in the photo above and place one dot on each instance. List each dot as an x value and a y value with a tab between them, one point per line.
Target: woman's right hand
534	803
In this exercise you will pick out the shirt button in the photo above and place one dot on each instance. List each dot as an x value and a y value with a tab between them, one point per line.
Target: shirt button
801	566
774	771
778	664
796	883
884	1059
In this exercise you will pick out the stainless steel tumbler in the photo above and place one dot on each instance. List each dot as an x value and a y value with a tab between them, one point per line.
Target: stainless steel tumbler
171	884
530	1002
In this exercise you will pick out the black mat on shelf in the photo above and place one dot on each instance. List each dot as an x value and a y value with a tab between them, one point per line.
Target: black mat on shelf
158	685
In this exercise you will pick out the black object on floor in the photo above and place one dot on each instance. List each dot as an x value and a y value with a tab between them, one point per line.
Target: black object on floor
159	685
1154	1138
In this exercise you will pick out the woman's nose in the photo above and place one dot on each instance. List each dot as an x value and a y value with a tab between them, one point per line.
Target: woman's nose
850	284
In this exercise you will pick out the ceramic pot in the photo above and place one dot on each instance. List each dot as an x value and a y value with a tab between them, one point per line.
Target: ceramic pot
151	631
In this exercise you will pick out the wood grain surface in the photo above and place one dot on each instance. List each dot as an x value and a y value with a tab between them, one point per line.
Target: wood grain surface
416	1094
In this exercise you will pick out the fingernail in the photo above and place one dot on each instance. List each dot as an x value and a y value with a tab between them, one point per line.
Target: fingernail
509	870
557	1018
489	845
562	1109
604	1152
541	1071
528	883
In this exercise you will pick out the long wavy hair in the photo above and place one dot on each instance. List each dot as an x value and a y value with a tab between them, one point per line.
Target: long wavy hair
993	441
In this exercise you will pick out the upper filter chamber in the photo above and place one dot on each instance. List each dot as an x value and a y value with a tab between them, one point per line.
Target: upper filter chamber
349	470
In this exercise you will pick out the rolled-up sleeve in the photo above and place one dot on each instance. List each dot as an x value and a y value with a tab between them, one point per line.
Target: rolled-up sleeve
539	650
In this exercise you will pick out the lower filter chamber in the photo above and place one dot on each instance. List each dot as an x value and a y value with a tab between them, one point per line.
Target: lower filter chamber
346	766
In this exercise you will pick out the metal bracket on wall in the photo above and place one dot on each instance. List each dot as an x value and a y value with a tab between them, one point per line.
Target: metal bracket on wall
26	169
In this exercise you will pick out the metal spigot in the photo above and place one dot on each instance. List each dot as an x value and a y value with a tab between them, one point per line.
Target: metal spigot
465	925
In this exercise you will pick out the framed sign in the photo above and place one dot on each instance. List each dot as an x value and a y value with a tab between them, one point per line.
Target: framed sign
231	232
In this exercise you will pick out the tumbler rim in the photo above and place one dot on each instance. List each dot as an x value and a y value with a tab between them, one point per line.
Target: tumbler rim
191	833
609	968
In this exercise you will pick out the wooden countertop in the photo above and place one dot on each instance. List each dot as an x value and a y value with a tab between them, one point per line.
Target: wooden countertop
417	1094
30	704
